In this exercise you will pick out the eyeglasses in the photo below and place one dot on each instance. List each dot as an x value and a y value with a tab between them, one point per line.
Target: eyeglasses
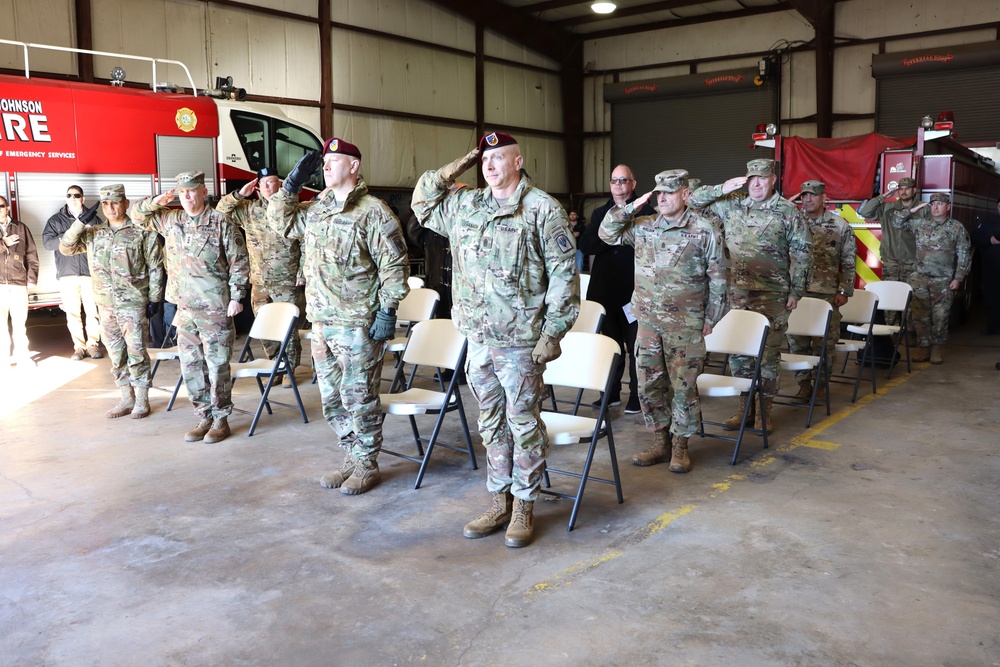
620	181
3	205
74	195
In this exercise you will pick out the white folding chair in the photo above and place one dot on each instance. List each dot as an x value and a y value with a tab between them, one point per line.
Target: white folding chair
810	318
741	332
858	316
418	305
415	282
584	285
590	320
893	296
274	322
160	354
435	344
588	361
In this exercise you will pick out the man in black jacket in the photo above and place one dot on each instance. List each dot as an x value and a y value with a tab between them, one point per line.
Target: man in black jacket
986	238
75	286
612	279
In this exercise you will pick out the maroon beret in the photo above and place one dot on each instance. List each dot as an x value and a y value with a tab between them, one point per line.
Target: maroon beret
336	145
495	140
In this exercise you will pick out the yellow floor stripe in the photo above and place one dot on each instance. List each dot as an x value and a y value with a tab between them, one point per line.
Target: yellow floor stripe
761	461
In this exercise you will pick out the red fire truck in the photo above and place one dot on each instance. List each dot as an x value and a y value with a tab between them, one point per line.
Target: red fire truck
54	134
856	168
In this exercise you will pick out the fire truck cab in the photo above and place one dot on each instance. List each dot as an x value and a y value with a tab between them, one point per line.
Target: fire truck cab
55	133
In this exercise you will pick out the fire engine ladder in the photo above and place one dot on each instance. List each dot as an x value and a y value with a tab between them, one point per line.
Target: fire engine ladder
153	61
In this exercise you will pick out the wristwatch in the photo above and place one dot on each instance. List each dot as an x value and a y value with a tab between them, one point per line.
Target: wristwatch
841	292
389	311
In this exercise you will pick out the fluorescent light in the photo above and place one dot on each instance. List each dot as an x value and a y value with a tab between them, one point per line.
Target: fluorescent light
604	7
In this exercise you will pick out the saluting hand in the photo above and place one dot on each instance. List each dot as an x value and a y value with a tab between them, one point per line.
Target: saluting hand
248	189
11	240
641	201
734	184
164	199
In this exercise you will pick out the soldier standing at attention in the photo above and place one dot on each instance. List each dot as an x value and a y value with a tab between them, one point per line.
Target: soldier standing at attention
516	294
355	266
208	269
126	265
831	279
770	258
275	270
680	290
943	259
897	249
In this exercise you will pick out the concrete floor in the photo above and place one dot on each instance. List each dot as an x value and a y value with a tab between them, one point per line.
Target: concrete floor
870	539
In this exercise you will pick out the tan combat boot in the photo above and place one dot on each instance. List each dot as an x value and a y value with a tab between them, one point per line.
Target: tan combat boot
492	519
679	461
219	431
199	431
734	422
336	478
658	452
124	405
365	476
935	355
922	354
821	394
522	524
141	408
758	424
805	392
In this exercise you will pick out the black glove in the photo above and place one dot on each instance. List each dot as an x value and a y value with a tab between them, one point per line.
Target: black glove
89	215
383	327
153	307
303	171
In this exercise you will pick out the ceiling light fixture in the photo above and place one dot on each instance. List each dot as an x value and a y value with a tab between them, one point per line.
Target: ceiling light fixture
604	7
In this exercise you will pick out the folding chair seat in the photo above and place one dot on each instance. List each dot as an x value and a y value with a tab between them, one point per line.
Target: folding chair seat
893	296
588	361
274	322
418	305
858	317
810	318
590	320
434	344
741	332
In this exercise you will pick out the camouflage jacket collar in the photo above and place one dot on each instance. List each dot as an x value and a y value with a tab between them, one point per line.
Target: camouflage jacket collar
489	203
766	204
330	202
684	220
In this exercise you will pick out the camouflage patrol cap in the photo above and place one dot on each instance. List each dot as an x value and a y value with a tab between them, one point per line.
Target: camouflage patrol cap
940	196
761	167
813	187
907	183
671	180
114	192
694	183
190	179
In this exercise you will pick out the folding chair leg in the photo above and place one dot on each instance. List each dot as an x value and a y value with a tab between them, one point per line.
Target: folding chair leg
173	397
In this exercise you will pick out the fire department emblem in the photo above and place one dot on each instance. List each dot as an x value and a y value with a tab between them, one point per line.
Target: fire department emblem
186	120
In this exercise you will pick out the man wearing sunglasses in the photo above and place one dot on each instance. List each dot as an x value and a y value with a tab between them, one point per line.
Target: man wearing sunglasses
18	272
75	286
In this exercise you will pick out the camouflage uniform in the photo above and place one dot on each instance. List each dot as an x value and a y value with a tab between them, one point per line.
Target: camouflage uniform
897	249
126	265
354	262
680	285
833	269
770	256
275	265
513	279
943	254
207	265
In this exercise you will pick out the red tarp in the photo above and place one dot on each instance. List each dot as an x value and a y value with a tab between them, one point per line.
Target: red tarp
847	165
